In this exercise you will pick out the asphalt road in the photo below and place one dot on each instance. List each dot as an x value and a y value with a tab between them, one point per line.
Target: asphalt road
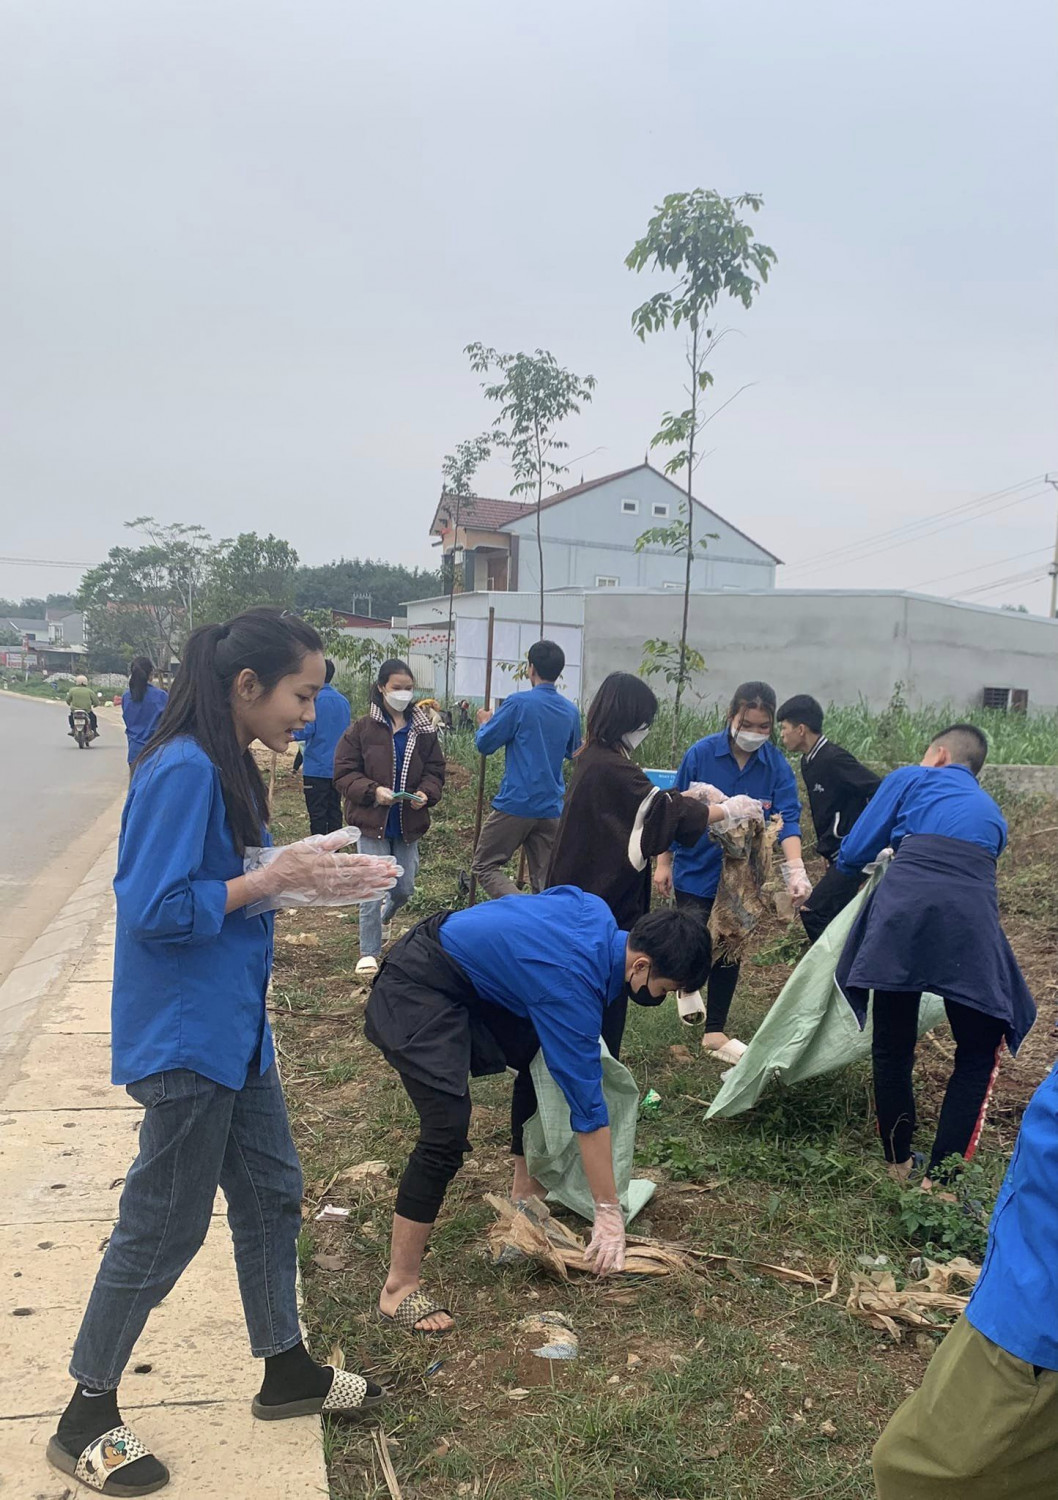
51	793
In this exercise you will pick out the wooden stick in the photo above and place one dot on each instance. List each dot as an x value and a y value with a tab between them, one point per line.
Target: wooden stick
520	882
480	809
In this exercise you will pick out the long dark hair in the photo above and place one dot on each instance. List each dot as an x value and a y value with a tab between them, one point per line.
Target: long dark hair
753	695
387	670
140	674
272	644
623	703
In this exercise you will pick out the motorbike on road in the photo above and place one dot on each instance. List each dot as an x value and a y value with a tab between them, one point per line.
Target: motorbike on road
83	732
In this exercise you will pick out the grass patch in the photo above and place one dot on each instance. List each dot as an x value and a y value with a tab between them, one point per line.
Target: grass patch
723	1386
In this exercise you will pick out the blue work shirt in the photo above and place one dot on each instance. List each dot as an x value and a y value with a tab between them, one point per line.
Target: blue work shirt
943	800
767	776
558	959
393	828
189	982
320	738
1015	1301
539	729
142	717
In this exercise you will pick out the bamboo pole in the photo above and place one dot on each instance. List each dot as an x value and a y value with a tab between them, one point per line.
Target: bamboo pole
480	809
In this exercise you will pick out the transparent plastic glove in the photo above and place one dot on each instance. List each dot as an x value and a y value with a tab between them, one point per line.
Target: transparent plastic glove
798	886
738	810
705	793
606	1248
313	873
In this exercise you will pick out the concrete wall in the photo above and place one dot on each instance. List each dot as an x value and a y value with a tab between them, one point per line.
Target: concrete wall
589	536
839	646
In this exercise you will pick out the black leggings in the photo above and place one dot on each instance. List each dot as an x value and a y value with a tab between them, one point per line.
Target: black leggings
978	1039
444	1120
723	976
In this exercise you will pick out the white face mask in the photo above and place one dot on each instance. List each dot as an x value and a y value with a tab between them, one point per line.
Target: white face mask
747	739
635	737
398	702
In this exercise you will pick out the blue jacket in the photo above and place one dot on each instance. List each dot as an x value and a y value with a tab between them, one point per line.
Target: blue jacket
767	776
559	959
142	718
320	738
942	800
539	729
1015	1301
189	982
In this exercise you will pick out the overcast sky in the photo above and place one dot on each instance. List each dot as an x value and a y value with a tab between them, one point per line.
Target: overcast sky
244	244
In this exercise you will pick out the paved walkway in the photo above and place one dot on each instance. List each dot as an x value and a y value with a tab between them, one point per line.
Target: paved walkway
67	1138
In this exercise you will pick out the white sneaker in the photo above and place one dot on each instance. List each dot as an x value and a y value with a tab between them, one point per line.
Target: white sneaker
366	966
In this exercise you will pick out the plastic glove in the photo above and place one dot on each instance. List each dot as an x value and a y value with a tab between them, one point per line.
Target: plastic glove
313	873
606	1248
705	793
796	881
737	810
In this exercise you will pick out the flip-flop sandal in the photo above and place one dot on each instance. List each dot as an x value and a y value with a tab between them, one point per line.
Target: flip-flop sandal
347	1397
415	1307
731	1052
103	1460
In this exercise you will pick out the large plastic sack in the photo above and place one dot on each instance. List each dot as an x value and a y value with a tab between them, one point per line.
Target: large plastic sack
811	1028
552	1155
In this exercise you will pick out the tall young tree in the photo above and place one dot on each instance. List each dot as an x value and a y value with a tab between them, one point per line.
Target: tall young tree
535	394
700	241
457	472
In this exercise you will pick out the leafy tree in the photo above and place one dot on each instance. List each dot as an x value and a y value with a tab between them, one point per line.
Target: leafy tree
535	395
249	570
350	583
699	240
34	608
457	471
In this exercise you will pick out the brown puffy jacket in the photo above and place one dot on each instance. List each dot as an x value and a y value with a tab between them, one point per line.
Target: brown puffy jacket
365	760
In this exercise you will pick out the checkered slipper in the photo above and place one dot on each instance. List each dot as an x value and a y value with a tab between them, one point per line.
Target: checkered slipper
415	1307
99	1466
347	1397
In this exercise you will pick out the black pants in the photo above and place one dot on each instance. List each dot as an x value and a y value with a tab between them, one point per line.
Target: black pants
978	1039
444	1119
723	976
323	803
831	895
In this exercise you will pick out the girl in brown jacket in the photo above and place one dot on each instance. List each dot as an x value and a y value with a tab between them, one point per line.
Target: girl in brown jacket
389	769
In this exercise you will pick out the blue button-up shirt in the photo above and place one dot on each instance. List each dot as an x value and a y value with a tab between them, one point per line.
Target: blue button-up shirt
943	800
539	730
766	776
189	982
558	959
141	718
320	738
1015	1301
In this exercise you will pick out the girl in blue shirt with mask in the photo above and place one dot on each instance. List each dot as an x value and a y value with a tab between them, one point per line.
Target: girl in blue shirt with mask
191	1040
739	761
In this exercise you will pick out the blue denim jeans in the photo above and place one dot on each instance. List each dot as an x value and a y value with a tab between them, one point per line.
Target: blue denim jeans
196	1136
374	913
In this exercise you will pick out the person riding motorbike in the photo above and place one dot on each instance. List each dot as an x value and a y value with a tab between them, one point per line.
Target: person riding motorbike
81	696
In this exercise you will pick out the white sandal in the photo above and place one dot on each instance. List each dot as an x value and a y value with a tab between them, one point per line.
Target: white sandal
731	1052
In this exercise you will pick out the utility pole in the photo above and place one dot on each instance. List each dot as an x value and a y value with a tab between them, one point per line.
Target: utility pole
1054	564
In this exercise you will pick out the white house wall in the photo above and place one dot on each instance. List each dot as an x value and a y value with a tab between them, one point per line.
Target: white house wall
589	536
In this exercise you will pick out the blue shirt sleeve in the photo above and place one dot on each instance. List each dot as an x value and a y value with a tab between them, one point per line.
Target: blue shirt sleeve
574	736
873	829
305	732
163	841
786	801
574	1060
501	728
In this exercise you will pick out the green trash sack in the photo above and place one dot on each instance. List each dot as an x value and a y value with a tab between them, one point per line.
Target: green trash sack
552	1155
811	1028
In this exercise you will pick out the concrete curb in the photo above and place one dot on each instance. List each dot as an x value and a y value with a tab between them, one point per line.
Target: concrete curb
67	1138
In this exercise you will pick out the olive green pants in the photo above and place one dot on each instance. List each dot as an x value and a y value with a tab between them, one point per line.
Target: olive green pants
982	1426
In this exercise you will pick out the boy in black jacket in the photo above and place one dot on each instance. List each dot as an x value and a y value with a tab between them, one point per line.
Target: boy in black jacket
838	788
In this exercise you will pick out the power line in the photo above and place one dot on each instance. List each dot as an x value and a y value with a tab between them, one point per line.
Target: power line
910	530
1029	576
995	563
43	562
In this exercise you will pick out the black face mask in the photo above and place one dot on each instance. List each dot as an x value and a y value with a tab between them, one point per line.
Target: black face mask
643	996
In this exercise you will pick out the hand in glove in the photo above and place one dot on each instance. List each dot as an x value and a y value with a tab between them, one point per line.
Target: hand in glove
313	873
796	881
606	1248
737	810
701	791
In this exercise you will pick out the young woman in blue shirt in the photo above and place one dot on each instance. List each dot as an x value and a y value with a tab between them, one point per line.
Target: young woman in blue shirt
738	761
191	1040
141	707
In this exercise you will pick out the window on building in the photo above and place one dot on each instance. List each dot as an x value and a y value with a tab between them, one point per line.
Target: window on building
630	507
660	510
606	581
1014	699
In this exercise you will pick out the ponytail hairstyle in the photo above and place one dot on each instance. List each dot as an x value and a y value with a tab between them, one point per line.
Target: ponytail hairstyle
387	670
272	644
140	674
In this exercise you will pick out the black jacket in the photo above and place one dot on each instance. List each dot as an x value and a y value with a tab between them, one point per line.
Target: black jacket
838	788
